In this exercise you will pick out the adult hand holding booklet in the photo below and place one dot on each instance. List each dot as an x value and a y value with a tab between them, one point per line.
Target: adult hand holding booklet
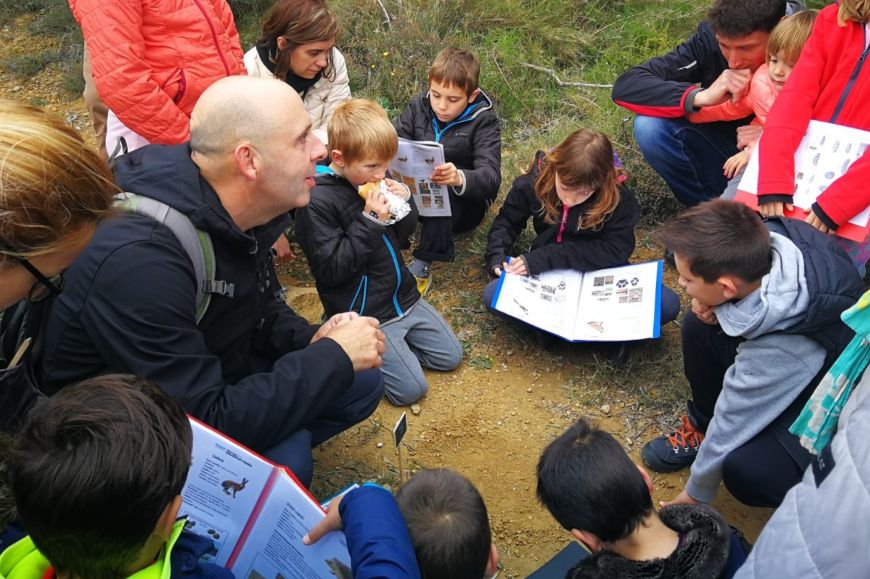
256	513
615	304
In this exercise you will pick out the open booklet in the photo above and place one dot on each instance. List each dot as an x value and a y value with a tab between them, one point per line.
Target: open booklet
823	156
413	165
256	513
609	305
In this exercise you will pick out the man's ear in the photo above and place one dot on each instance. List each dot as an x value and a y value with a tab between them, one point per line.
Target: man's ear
247	160
337	158
646	478
728	286
589	540
492	563
167	519
473	95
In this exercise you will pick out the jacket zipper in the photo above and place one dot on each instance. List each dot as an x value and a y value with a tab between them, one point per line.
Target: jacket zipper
852	79
214	35
562	225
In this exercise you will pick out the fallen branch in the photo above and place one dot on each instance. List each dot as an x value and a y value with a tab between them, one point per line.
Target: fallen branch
561	82
389	20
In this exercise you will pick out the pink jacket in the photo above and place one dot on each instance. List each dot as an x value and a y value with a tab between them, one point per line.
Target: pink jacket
759	99
152	59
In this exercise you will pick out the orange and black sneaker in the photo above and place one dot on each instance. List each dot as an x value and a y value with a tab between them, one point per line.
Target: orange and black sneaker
674	451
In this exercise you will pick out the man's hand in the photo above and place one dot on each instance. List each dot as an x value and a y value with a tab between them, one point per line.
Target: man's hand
397	188
361	340
735	164
331	522
704	312
681	499
377	205
775	209
814	220
333	322
731	84
447	174
517	266
748	135
283	253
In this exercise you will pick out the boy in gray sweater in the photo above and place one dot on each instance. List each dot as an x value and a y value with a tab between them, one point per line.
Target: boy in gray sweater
763	328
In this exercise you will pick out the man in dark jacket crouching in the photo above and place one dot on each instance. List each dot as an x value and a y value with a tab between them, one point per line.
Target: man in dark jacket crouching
250	367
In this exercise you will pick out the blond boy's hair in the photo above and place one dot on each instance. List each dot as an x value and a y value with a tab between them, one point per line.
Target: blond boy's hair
790	35
361	130
853	11
456	67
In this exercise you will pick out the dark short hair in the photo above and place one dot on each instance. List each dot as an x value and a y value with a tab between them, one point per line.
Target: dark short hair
719	238
448	522
94	469
736	18
588	482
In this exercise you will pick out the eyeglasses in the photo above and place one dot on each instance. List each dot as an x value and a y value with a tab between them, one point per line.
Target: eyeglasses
44	286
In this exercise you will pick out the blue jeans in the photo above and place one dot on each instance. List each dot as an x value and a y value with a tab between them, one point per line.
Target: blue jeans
670	306
689	157
351	408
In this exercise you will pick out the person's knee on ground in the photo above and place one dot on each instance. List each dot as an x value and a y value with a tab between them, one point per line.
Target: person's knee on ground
294	452
760	472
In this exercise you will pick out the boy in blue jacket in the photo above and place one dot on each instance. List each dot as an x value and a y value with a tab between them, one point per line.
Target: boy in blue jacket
352	246
460	116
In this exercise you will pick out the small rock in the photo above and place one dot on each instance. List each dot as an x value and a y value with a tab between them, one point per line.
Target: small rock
380	445
16	88
415	409
605	408
529	390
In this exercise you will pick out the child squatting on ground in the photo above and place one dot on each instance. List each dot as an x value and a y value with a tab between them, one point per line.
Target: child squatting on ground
764	327
591	487
784	46
352	246
458	114
449	526
582	212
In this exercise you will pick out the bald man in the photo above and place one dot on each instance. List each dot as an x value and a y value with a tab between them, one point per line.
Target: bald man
251	367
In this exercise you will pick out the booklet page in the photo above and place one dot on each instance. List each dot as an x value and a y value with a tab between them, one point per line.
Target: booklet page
413	166
548	300
223	487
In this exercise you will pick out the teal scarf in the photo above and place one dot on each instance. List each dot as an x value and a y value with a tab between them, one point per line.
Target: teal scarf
816	423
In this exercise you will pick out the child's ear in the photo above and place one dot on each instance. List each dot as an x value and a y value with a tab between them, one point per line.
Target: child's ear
589	540
728	285
492	563
473	95
337	158
646	478
167	519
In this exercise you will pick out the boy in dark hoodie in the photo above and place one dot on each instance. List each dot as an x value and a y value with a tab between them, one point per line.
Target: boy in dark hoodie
457	114
591	487
352	246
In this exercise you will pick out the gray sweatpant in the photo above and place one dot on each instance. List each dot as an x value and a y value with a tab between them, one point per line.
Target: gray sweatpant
421	338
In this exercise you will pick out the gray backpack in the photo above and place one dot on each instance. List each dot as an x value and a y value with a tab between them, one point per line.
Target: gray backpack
196	243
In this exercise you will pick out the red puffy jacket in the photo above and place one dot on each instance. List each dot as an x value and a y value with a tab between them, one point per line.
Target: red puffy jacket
831	83
152	59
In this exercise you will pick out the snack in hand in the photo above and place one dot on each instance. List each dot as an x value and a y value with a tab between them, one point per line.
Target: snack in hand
399	208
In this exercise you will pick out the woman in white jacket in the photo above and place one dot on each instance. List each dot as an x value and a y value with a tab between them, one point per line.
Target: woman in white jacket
297	45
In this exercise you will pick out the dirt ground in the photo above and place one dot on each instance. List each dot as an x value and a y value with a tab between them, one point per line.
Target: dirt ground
490	418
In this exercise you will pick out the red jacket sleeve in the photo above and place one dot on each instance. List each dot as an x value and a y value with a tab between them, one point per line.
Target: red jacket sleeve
113	36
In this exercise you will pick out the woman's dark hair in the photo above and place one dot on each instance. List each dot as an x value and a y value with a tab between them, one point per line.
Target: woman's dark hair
298	22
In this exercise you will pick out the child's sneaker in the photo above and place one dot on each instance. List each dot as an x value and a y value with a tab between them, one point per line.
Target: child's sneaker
422	273
674	451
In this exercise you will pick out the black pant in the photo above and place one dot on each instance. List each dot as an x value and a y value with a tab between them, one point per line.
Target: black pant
760	472
436	234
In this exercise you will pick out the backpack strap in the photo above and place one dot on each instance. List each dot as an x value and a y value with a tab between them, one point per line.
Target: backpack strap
195	242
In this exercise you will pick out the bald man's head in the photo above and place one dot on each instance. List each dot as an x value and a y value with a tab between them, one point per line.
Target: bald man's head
239	109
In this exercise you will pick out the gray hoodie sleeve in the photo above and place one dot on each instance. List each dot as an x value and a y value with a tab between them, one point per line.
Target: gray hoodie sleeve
769	372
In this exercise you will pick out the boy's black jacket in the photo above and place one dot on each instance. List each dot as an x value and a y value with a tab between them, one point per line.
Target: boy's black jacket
584	250
355	261
472	142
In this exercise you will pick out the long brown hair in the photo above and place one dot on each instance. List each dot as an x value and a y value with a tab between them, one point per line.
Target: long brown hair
298	22
854	11
52	185
583	159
